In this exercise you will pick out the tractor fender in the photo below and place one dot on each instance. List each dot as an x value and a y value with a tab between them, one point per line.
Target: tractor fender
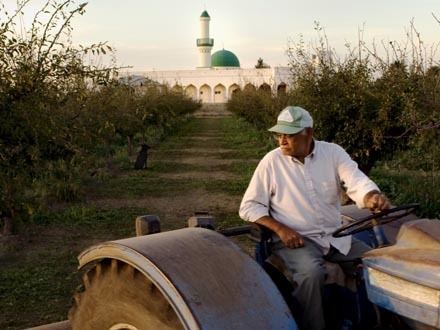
208	281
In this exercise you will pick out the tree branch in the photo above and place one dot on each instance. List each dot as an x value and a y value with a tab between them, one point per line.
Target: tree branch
414	128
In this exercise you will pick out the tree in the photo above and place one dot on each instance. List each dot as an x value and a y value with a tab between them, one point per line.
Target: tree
370	106
261	65
41	74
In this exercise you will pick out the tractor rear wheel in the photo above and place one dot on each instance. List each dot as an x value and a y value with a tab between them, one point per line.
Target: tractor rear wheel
117	296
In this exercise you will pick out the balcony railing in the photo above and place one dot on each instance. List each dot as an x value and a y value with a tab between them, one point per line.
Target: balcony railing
205	42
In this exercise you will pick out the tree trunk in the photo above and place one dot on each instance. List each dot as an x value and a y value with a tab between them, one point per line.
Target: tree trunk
7	226
130	145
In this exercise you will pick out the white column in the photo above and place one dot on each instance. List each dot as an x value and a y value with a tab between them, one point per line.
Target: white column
204	43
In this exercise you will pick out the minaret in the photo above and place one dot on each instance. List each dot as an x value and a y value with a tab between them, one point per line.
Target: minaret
204	43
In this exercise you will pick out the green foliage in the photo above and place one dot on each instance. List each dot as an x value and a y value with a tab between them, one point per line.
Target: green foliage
373	107
411	186
58	111
60	181
247	141
256	106
41	75
422	153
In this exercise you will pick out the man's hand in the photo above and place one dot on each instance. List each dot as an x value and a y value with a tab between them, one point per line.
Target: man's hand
288	236
376	201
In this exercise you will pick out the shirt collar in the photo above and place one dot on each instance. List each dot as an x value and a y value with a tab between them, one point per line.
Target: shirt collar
310	156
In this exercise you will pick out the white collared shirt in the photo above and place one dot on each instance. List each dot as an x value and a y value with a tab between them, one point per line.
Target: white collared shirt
306	197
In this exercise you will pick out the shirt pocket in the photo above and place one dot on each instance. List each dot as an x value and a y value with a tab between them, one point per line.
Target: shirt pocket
329	192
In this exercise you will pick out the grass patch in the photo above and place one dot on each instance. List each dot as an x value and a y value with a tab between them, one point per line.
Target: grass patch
173	167
138	186
231	187
410	186
113	223
39	291
245	167
238	132
173	154
226	220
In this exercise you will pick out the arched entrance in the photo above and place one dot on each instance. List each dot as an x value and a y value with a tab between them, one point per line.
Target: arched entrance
282	88
219	94
177	89
264	88
233	89
191	91
249	87
205	93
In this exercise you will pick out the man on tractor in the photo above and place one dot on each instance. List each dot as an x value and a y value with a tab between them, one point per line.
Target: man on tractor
295	192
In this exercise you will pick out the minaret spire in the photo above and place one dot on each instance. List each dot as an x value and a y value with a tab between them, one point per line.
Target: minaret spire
204	43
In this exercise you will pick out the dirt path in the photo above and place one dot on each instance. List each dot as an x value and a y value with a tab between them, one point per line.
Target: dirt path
199	162
205	166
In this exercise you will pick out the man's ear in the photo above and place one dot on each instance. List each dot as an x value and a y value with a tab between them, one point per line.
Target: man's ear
309	131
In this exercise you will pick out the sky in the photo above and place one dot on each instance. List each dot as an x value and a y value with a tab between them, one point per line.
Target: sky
161	34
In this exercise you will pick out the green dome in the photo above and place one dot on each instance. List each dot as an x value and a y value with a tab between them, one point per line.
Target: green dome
205	14
224	58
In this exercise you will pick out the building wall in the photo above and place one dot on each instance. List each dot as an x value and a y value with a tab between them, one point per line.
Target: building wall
216	85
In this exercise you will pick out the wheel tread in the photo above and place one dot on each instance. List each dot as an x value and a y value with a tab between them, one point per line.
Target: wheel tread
116	292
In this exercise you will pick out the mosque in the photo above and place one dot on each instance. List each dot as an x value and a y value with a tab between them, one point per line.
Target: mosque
218	75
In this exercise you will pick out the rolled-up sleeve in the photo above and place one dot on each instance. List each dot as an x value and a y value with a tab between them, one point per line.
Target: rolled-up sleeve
356	182
255	202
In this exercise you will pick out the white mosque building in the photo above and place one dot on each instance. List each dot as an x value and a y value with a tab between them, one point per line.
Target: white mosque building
218	75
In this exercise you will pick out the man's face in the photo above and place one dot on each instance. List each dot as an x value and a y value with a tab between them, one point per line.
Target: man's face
297	145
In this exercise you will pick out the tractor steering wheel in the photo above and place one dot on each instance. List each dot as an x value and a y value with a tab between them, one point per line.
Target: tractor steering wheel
376	219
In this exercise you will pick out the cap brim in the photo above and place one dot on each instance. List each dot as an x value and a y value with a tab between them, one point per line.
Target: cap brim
285	129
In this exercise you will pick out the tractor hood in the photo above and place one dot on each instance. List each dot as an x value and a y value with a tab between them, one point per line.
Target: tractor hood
405	277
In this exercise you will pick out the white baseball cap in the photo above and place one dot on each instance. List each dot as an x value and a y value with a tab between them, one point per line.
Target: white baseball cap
292	120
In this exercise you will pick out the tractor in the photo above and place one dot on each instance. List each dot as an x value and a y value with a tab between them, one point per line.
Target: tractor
198	278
